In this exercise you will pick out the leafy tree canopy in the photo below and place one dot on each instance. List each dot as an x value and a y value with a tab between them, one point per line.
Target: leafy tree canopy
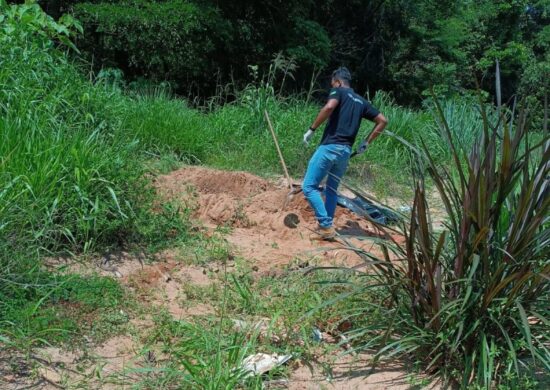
397	45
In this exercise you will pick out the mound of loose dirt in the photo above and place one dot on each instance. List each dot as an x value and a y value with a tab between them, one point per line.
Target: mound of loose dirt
237	199
238	184
253	207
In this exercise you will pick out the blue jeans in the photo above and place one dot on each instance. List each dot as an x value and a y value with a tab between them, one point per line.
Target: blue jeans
331	161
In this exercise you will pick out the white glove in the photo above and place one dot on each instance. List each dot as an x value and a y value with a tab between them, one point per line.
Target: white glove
363	147
307	136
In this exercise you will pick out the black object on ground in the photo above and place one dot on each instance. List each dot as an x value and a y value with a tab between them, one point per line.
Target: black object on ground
291	220
358	205
366	208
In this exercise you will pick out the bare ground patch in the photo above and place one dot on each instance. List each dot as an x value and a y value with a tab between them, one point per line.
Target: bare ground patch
253	208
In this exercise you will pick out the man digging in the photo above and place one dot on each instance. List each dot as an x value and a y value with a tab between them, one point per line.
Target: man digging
344	111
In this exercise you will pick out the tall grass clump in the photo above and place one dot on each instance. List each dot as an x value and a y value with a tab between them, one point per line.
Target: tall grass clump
470	299
71	173
70	180
463	118
232	136
64	182
163	124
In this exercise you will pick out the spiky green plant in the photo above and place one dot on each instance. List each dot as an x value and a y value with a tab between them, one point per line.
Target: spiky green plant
470	299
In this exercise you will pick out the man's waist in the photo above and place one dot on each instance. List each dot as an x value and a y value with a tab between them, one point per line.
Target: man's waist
339	140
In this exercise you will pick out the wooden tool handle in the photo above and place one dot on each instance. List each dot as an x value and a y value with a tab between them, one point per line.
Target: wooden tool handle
278	149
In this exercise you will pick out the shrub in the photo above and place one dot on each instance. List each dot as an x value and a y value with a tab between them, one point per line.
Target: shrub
175	40
470	299
70	174
71	180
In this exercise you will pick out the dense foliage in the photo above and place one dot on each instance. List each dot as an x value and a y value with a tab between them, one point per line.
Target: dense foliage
174	40
70	180
396	45
60	172
470	298
194	45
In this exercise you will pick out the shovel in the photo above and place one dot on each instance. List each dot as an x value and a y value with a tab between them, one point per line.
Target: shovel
292	220
293	188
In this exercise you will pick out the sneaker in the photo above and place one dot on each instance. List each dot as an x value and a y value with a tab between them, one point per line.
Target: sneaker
324	233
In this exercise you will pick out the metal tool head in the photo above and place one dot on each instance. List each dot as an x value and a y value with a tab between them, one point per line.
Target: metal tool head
291	220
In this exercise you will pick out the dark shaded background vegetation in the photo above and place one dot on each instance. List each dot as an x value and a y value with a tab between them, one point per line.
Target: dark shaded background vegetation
397	45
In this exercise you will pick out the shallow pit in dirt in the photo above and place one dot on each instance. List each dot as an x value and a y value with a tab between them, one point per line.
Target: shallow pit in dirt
255	209
236	199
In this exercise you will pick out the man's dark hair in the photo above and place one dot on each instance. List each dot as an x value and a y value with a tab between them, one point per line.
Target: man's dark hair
342	74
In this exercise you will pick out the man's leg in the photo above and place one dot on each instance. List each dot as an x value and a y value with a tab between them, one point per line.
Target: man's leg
320	164
336	172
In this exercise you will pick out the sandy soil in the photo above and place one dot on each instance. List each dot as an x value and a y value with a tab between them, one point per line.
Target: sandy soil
254	210
354	373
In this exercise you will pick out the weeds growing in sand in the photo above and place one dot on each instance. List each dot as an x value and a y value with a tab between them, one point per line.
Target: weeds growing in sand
252	315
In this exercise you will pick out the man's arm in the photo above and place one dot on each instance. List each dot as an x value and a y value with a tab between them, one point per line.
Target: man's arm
380	123
324	113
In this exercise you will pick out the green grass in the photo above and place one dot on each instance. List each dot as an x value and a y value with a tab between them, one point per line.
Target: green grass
71	182
61	309
206	351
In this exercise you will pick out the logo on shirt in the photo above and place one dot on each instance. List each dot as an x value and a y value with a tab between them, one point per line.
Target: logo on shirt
355	99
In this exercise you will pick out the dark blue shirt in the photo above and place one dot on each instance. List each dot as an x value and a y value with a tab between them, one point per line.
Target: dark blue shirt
343	124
